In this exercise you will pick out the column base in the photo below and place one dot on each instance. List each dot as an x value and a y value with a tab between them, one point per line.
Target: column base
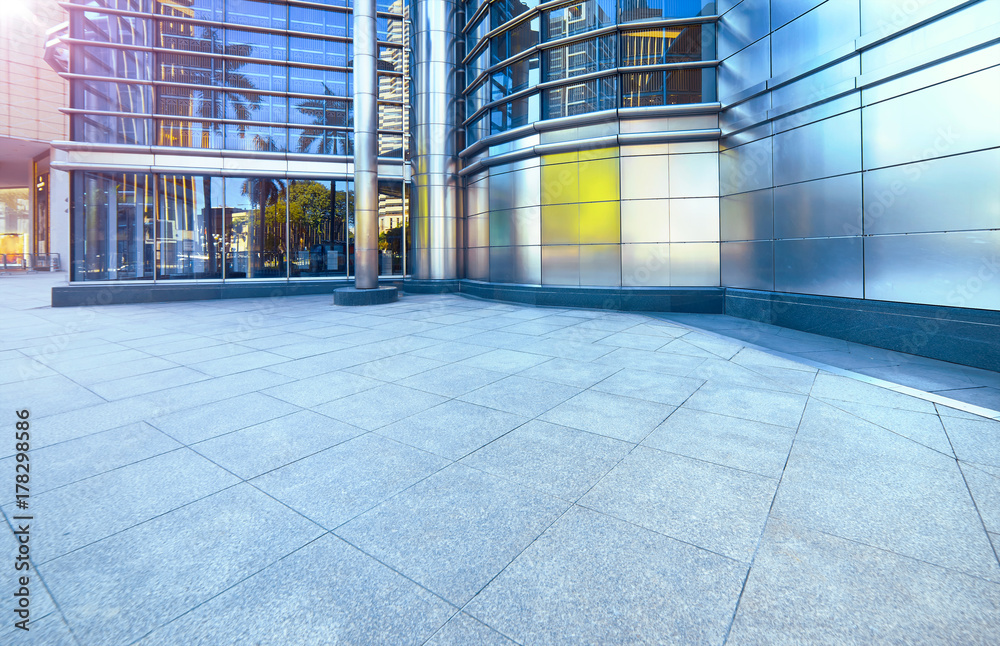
352	296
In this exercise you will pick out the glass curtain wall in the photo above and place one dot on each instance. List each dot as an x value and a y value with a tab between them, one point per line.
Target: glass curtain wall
527	71
258	76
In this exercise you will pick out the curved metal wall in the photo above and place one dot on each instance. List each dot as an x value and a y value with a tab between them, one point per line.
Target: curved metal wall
861	150
592	144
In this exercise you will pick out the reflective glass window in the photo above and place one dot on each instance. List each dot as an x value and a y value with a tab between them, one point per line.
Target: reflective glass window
576	18
319	21
581	98
665	87
112	226
317	222
582	57
636	10
665	45
391	224
189	237
255	227
257	13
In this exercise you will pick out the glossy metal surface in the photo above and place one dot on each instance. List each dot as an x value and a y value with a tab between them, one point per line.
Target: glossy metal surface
820	149
944	119
826	207
435	96
645	177
561	265
745	69
748	265
365	146
694	175
694	220
746	167
646	265
823	266
747	24
747	216
831	24
694	264
600	264
948	194
645	220
954	269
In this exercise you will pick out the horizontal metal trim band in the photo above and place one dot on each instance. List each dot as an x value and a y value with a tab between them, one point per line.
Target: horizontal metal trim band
602	116
626	139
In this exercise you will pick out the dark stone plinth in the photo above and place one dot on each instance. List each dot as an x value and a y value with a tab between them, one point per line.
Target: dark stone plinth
352	296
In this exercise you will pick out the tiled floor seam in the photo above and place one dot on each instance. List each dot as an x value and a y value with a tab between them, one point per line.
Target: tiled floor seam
763	529
225	590
48	590
843	372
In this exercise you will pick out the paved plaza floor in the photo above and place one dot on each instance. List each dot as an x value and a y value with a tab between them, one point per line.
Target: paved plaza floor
445	470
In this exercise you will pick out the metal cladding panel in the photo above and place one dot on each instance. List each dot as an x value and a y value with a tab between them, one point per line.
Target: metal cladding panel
747	216
932	35
745	69
818	112
881	14
501	191
478	230
645	220
816	86
694	220
477	197
600	265
821	149
948	194
526	185
645	178
526	226
973	61
561	265
499	232
945	119
828	26
477	263
784	11
746	167
560	224
600	222
502	264
739	28
959	269
694	264
743	114
560	183
527	265
646	265
694	175
748	265
825	207
822	266
599	180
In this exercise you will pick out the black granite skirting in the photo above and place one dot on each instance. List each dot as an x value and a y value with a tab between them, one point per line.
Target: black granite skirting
703	300
354	297
966	336
111	294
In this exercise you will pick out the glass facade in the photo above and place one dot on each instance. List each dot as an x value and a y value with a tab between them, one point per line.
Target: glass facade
525	65
266	82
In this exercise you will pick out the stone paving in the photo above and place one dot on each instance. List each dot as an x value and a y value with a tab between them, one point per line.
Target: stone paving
444	470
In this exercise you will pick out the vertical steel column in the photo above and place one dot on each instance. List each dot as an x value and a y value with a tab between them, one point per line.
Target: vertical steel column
435	164
365	146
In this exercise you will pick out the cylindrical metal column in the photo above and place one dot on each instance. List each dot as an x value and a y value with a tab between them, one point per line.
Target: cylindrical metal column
365	146
436	94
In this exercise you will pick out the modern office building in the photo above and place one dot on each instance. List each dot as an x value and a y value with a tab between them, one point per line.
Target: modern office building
34	199
832	166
